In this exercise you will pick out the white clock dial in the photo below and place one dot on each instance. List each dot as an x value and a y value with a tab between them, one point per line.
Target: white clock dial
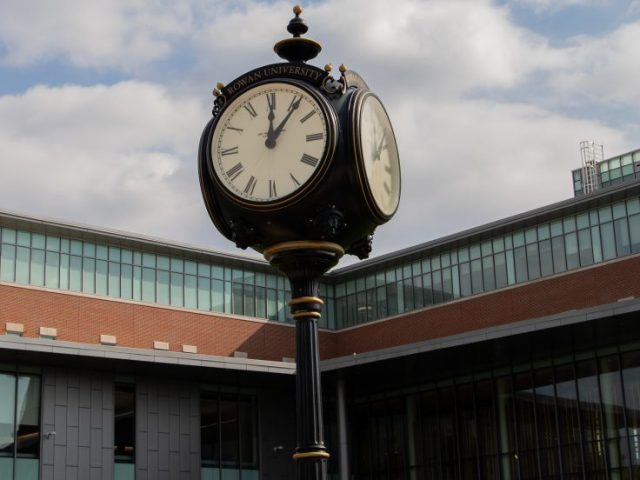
379	155
270	142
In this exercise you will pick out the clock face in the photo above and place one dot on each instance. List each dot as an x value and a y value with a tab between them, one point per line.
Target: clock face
271	142
378	153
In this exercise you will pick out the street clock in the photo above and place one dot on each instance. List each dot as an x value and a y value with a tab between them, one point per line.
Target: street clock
294	154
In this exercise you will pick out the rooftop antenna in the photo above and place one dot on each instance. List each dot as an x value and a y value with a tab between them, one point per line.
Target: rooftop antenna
592	153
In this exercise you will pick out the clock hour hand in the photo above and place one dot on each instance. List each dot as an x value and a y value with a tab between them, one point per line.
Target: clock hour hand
272	136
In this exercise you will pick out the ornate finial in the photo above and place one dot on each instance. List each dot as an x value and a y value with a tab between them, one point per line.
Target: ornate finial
219	85
343	68
216	92
297	49
328	67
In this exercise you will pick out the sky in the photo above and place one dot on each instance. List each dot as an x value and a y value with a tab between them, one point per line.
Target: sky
102	103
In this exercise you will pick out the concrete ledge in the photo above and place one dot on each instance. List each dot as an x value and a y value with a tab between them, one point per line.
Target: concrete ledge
107	352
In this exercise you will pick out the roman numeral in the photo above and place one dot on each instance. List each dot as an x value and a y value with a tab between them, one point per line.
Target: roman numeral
252	111
309	160
229	151
314	136
271	100
234	128
272	189
234	171
251	185
295	180
307	116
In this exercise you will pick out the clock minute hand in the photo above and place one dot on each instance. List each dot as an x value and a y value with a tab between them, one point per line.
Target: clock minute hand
270	142
292	108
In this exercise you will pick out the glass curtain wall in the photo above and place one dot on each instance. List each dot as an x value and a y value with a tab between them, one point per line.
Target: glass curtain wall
19	426
549	248
571	418
228	434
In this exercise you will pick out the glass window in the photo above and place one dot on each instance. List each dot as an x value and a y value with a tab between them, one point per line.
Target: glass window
623	246
8	263
124	431
19	426
114	279
520	262
162	287
571	248
546	258
177	285
634	230
608	241
584	242
52	270
533	261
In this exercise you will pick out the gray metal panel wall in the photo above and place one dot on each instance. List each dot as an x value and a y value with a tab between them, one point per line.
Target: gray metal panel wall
167	430
78	406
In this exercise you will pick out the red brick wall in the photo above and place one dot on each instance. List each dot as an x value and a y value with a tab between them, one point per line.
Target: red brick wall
82	318
577	290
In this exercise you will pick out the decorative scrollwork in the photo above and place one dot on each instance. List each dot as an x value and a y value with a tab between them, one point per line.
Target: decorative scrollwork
243	234
361	248
218	103
328	222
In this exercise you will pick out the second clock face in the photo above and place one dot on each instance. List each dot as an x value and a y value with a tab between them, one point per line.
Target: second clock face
271	142
378	153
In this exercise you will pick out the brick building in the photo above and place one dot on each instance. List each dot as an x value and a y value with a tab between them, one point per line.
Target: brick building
508	351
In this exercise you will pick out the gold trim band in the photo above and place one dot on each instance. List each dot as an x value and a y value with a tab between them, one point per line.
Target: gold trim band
302	245
306	313
314	454
297	300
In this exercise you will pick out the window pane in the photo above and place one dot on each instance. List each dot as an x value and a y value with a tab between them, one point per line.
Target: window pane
608	241
533	261
163	287
190	291
7	411
37	267
623	246
586	252
520	256
52	272
209	430
546	258
571	246
176	289
124	434
22	265
229	448
8	263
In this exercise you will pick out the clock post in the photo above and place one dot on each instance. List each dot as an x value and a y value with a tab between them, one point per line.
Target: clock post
302	167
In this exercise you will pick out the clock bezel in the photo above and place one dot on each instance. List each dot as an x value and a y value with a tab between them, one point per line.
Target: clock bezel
330	119
355	112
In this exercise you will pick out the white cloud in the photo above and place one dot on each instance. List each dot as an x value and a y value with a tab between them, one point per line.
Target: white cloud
95	34
603	69
119	156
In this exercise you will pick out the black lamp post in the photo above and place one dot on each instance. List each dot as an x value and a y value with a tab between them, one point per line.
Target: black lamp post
302	167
